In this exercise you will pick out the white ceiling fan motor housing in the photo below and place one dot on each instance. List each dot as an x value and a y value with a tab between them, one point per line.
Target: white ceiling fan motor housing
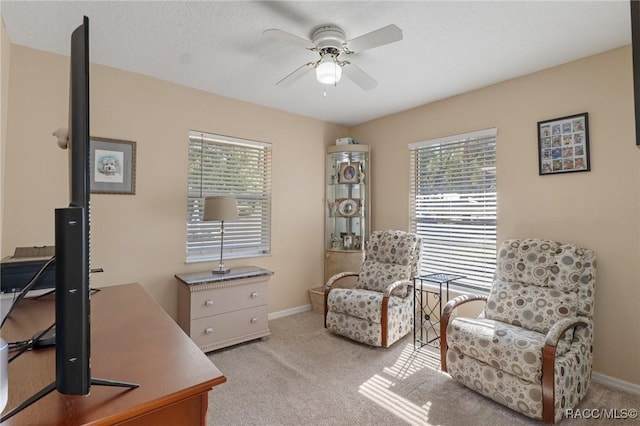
328	37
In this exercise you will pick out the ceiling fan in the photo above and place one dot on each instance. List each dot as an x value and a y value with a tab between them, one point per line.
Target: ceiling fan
330	43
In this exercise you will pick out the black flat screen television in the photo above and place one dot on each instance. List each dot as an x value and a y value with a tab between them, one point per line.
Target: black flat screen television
73	236
72	229
72	252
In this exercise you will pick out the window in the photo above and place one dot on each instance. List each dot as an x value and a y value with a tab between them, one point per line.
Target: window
222	165
453	205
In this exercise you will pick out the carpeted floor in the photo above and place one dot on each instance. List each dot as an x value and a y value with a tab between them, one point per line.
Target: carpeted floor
303	375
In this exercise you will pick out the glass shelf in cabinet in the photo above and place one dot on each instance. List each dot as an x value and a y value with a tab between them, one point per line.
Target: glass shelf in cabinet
345	184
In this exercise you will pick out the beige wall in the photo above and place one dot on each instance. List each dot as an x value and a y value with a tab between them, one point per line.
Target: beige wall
598	209
141	238
5	50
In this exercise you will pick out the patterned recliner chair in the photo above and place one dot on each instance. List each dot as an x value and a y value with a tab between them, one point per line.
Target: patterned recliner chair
379	309
531	348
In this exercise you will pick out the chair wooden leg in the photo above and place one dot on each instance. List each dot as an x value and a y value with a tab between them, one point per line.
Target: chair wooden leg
384	320
326	306
548	392
444	322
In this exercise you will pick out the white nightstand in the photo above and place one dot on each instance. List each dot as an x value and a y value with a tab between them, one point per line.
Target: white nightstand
219	310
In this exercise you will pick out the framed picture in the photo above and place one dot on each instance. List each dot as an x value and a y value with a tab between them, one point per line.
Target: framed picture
563	145
113	166
348	207
347	240
349	173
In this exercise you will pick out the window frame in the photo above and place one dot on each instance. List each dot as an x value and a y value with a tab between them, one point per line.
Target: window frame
477	254
233	166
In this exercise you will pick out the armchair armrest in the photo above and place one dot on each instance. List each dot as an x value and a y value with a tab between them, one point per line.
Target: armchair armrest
558	329
384	314
327	288
337	277
549	359
446	316
394	285
460	300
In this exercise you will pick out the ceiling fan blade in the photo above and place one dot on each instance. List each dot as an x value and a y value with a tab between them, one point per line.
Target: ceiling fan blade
359	77
294	76
385	35
288	37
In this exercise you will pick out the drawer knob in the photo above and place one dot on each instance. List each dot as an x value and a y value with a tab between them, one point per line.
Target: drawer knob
254	320
254	294
208	303
208	330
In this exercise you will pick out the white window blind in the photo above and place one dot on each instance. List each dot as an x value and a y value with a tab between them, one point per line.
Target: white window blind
222	165
453	204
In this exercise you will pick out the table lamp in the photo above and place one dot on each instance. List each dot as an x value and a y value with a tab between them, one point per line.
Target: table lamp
220	208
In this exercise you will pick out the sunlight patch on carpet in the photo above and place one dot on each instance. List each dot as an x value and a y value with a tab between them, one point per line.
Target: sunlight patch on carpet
411	361
379	389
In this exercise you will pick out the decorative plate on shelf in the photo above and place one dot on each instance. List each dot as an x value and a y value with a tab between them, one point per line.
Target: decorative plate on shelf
349	173
348	207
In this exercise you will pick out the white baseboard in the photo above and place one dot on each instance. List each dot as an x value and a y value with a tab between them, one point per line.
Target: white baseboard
287	312
612	382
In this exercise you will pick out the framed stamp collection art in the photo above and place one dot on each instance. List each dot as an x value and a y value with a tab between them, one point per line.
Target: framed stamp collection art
563	145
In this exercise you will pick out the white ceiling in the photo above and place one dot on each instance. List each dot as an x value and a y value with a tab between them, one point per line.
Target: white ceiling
448	47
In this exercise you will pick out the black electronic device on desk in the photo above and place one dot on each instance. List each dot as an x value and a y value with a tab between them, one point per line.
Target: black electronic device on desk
17	270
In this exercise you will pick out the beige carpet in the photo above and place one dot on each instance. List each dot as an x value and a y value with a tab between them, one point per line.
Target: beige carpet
303	375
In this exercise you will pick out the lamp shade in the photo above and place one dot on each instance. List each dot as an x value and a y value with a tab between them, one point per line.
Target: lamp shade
328	71
220	208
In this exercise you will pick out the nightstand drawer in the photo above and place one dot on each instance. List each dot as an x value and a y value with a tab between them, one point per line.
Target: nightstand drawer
234	327
217	301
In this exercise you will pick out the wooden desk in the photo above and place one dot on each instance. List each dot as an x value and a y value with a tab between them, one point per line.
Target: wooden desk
132	340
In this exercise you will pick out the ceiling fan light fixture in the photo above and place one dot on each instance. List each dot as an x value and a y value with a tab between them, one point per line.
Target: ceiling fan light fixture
328	71
330	43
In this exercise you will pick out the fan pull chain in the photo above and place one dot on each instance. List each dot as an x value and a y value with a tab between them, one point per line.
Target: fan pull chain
324	88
